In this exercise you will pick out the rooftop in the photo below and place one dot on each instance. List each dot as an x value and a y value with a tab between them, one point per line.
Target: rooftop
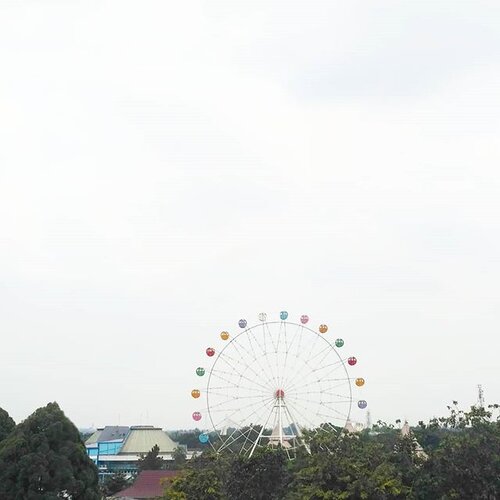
147	485
142	438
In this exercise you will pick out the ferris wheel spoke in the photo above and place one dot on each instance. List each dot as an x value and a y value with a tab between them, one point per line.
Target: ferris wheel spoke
242	355
299	331
231	400
249	441
234	383
231	382
256	442
283	325
271	378
294	408
240	409
337	364
327	415
285	360
307	405
325	351
337	385
275	370
308	361
298	395
318	414
279	337
316	402
269	335
235	363
233	366
340	381
299	343
235	436
341	397
229	419
314	427
299	374
278	353
311	402
245	435
250	416
343	415
214	391
315	406
263	402
315	382
298	377
251	340
313	345
219	410
295	335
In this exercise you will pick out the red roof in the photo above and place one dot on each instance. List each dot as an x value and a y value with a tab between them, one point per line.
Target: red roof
147	485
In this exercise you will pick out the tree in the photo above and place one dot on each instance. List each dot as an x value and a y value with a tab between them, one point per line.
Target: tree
430	435
263	476
151	461
44	459
6	424
347	467
467	462
189	438
179	456
461	460
203	478
114	483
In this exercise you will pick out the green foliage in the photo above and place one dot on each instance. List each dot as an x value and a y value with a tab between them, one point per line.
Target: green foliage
264	476
7	424
430	435
187	438
461	461
179	456
202	479
350	467
114	483
466	464
44	459
151	460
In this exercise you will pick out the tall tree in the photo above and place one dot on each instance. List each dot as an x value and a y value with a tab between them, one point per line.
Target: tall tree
114	483
44	459
6	424
203	478
467	462
264	476
350	466
179	456
151	460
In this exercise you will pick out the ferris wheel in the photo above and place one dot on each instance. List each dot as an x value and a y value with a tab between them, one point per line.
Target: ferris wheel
273	384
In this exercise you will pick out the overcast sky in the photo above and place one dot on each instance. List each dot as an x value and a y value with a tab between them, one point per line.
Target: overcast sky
167	168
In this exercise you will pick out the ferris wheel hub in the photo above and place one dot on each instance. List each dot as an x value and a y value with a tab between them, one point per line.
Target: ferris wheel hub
279	394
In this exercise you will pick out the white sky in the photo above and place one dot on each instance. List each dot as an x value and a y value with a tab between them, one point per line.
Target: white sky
169	167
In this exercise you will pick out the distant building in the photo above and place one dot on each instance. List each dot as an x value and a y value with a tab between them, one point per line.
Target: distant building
118	449
406	432
353	428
